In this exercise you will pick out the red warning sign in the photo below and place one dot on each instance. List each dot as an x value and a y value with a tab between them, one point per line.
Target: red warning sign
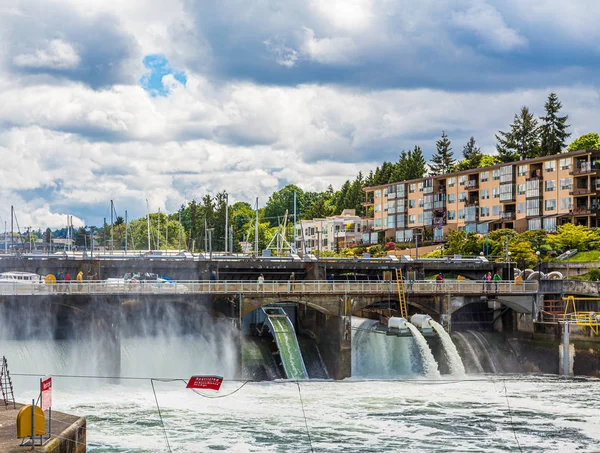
46	388
205	382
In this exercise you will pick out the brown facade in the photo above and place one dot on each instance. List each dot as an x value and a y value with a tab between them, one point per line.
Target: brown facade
530	194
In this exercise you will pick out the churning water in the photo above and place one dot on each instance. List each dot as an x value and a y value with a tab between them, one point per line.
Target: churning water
548	415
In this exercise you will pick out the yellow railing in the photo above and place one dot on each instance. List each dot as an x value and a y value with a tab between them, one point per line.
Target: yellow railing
589	319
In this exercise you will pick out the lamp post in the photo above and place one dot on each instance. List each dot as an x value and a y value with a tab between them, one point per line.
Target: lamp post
508	266
537	254
210	230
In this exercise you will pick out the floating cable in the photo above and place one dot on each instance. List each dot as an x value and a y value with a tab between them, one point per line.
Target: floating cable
511	419
220	396
160	416
304	415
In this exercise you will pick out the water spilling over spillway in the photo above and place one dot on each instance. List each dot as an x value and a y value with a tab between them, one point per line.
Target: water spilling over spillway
454	361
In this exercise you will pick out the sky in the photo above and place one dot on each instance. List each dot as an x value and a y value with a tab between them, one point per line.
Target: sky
135	100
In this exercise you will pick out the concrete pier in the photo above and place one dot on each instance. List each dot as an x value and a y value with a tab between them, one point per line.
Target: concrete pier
68	433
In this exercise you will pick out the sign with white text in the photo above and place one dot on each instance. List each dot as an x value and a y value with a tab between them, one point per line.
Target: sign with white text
46	388
205	382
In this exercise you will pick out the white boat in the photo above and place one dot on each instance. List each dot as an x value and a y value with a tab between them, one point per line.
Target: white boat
20	277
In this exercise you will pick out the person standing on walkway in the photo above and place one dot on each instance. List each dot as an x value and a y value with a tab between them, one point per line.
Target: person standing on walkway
497	279
261	282
292	279
68	282
79	279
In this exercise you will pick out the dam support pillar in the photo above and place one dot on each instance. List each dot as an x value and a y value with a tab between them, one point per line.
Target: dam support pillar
566	353
332	335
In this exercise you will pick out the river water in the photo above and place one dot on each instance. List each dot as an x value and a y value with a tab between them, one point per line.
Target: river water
549	414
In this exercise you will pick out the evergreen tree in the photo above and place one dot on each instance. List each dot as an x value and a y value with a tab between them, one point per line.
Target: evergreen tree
442	161
522	141
553	131
416	167
472	153
400	168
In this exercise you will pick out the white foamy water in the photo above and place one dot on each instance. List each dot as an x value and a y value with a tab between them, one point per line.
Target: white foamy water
454	361
430	367
548	415
376	355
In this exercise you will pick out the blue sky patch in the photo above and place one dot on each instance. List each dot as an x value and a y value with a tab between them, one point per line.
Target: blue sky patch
158	67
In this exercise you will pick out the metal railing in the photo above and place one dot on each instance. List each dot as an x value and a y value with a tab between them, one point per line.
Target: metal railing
267	287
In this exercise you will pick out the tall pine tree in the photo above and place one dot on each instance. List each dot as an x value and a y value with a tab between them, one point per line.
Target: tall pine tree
553	131
442	161
472	157
416	167
522	141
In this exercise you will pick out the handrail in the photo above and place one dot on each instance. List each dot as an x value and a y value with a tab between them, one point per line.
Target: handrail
268	287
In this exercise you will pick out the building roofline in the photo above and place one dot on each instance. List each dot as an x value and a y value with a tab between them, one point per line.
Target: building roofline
491	167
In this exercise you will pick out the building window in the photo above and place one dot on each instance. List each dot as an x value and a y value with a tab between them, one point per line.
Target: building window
533	208
451	181
462	197
462	180
452	198
461	213
412	203
484	176
412	188
496	192
522	170
378	193
411	219
550	185
484	211
565	163
420	187
420	218
565	183
377	207
550	224
377	222
550	205
385	192
535	224
496	210
484	194
496	175
566	203
420	202
520	208
506	174
451	215
550	166
520	189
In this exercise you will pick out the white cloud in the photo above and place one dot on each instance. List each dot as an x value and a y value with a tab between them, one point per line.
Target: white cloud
489	25
328	50
55	54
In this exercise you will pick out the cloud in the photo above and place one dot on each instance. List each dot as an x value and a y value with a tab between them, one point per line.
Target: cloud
488	25
56	54
132	101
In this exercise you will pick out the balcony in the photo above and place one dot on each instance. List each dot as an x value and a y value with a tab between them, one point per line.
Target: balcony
585	167
368	203
584	191
472	184
584	210
507	215
439	221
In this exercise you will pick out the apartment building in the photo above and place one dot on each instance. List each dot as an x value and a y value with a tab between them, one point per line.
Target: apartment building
529	194
329	233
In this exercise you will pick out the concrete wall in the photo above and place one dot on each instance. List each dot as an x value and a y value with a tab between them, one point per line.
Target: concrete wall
332	335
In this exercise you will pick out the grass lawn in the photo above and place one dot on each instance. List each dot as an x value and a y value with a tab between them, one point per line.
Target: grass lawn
590	256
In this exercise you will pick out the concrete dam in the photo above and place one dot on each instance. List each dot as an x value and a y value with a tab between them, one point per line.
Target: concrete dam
347	325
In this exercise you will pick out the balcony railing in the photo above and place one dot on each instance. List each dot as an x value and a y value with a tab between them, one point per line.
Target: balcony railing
472	184
584	190
507	215
585	167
